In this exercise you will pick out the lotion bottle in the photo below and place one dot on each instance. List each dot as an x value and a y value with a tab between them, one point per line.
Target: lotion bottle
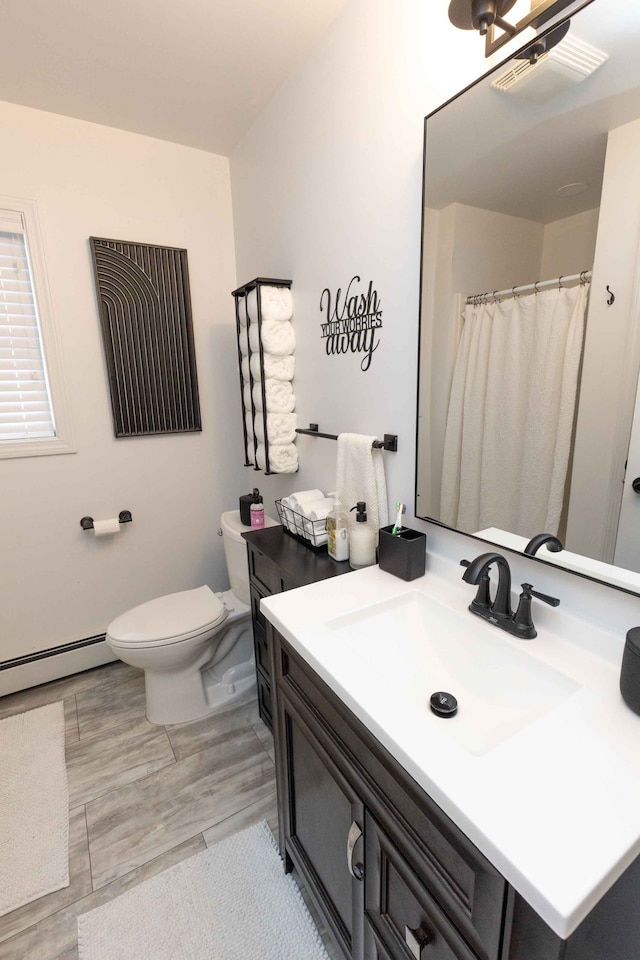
257	511
338	532
362	539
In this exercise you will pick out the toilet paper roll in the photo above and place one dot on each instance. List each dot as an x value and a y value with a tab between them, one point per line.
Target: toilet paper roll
106	528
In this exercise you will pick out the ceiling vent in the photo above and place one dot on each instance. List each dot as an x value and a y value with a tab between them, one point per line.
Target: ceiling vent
566	64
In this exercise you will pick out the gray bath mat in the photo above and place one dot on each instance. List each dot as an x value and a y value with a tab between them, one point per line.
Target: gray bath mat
232	902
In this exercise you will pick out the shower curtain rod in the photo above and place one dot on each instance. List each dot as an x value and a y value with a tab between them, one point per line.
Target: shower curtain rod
583	277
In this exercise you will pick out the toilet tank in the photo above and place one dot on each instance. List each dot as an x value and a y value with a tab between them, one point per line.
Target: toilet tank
235	551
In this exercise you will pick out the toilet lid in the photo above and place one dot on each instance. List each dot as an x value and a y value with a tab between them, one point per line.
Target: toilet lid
174	617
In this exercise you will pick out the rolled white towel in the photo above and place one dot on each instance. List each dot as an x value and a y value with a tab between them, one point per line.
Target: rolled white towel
276	304
248	422
286	516
242	310
279	396
250	451
244	342
244	367
278	337
305	499
281	427
283	457
275	368
246	396
321	509
315	517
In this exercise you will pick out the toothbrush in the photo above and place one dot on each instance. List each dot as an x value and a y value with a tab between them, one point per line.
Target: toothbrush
397	527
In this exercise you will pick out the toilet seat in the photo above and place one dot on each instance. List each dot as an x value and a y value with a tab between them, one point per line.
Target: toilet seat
169	619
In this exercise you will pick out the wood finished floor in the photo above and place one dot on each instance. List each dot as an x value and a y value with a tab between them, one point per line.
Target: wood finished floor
141	797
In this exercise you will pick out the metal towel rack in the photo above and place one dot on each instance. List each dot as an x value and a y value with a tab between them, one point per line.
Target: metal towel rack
389	443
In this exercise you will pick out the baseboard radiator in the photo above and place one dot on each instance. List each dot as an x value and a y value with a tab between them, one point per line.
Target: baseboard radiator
41	666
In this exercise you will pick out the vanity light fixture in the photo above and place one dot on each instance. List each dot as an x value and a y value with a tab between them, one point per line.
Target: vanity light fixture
488	18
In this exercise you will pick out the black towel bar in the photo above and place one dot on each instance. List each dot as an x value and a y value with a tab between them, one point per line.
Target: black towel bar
389	443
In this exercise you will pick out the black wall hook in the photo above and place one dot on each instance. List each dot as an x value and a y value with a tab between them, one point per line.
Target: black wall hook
612	297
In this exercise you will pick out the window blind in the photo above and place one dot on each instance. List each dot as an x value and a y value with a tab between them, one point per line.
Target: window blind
25	402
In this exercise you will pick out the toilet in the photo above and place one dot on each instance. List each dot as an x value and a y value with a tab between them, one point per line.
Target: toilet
196	646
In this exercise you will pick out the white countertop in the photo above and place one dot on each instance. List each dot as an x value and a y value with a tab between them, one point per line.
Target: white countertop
607	572
556	806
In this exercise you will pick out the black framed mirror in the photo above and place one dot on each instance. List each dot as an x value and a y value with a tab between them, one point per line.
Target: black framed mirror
530	302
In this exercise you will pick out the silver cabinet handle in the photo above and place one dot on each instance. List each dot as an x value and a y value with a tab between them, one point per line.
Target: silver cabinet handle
417	940
352	838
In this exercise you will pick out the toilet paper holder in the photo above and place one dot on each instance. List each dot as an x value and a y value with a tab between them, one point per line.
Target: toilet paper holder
123	517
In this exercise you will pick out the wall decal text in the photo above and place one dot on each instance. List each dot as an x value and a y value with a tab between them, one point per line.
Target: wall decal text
352	320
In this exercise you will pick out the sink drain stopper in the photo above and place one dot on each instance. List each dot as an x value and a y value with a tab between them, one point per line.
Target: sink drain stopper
444	704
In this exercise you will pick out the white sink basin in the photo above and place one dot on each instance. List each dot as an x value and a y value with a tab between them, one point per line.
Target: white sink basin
412	646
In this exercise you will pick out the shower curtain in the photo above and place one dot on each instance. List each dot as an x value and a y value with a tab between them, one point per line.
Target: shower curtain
511	411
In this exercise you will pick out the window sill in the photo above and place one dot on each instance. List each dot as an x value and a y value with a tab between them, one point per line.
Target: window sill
13	449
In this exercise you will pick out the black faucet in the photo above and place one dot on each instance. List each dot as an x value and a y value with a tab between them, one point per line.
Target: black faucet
553	544
499	612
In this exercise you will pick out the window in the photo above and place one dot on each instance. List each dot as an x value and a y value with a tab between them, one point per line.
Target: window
32	416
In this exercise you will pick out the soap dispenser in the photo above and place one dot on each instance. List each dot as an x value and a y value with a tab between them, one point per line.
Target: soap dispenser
257	511
362	539
338	533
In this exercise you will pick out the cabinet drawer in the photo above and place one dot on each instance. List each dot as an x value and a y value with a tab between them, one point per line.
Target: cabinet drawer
402	914
265	572
466	887
264	701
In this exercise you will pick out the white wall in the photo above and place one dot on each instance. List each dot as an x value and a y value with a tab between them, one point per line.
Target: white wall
610	366
58	584
569	245
328	183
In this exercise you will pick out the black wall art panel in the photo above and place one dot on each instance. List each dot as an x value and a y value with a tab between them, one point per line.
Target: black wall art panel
145	313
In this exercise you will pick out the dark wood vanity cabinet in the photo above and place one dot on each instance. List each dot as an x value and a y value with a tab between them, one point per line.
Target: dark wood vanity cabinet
278	562
392	875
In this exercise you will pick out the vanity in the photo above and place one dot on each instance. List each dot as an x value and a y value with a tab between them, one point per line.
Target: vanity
510	831
278	562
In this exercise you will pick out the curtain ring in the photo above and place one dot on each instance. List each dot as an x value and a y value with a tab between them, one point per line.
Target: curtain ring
535	287
560	283
495	299
513	292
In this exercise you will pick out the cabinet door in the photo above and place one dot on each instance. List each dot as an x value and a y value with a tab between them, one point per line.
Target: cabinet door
404	921
323	826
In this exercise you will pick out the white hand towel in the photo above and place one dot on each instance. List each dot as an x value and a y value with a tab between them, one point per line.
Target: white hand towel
250	451
279	396
276	304
242	310
244	342
283	457
244	367
246	396
278	338
360	476
281	427
248	422
305	499
275	368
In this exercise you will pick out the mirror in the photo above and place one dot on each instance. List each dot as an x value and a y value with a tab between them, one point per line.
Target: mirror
530	302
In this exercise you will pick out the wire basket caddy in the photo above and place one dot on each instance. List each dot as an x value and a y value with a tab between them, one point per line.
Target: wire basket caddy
312	533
